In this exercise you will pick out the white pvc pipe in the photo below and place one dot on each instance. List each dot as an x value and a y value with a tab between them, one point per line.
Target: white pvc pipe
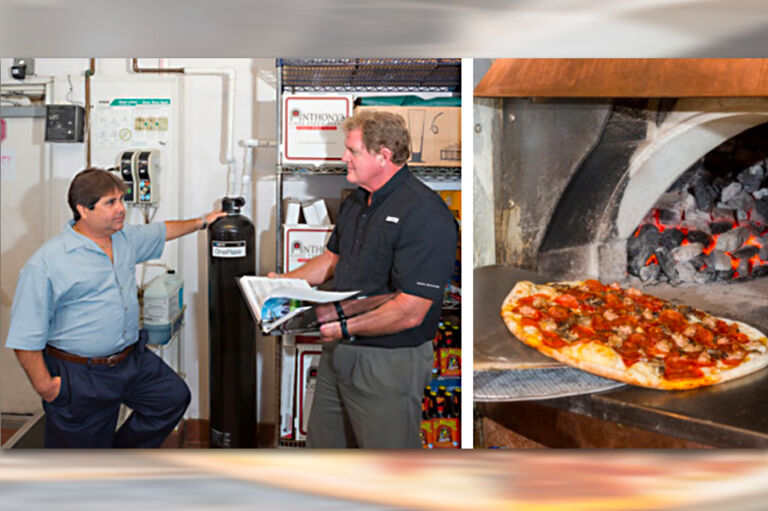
230	74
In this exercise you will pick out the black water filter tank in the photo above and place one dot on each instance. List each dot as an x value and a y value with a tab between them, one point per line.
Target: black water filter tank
232	335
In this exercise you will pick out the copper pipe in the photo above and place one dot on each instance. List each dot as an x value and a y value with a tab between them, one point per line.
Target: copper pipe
137	69
88	73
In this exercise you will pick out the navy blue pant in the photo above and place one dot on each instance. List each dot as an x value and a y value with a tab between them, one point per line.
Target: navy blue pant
85	412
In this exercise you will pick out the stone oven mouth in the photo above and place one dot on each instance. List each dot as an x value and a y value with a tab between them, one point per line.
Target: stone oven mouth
712	223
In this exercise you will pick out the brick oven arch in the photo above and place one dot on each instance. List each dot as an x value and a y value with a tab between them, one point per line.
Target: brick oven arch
688	133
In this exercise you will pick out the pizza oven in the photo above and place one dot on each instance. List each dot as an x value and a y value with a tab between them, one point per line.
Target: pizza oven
648	172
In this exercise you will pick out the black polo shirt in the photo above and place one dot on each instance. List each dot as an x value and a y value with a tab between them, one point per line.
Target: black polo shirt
404	241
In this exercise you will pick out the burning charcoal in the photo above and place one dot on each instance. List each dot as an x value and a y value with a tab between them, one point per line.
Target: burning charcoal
722	215
760	271
672	238
640	260
756	228
696	220
760	211
666	262
760	194
670	216
762	253
649	234
718	183
742	201
704	194
752	177
733	239
746	252
743	269
686	252
699	261
719	260
704	276
688	202
634	245
724	275
731	191
699	237
649	273
669	200
685	271
720	227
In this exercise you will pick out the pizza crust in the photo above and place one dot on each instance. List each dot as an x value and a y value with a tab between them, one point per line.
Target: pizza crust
603	361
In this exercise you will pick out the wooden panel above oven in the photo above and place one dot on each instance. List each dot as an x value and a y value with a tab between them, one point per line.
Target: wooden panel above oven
613	78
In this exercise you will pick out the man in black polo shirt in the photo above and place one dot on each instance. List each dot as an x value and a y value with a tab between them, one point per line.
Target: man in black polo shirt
393	234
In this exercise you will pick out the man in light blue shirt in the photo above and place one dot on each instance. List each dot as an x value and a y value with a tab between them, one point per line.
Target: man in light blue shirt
75	324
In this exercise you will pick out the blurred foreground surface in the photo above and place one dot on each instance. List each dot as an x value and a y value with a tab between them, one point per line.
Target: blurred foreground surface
294	480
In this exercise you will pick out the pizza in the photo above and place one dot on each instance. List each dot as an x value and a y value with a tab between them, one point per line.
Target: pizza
627	335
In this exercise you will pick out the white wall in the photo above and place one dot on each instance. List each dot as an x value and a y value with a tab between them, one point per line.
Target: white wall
201	140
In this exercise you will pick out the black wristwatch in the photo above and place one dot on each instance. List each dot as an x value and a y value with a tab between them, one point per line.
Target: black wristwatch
205	223
343	323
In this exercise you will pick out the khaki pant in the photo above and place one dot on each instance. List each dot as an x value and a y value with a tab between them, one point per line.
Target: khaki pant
369	397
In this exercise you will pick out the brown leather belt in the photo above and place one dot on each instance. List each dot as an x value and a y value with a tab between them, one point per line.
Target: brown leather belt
110	361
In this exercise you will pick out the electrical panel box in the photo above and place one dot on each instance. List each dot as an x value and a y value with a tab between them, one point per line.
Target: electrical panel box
64	123
126	166
148	177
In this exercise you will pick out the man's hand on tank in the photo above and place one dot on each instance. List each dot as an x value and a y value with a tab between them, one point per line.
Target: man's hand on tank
213	215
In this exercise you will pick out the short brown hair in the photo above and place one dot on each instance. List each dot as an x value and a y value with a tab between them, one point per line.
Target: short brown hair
90	185
382	129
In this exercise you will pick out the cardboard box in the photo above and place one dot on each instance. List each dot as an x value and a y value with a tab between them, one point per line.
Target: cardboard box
292	211
312	131
316	212
302	242
435	133
307	364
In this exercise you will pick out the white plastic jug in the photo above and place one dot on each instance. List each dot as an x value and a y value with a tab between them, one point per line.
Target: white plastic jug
163	299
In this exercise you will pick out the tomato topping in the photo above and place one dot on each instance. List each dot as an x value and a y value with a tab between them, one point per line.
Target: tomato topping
655	304
613	300
568	300
582	331
594	286
630	357
673	319
558	313
733	361
528	312
526	300
742	338
530	322
553	340
678	368
599	322
635	340
703	336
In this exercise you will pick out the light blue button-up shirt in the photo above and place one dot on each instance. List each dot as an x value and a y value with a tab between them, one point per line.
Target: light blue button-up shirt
70	295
